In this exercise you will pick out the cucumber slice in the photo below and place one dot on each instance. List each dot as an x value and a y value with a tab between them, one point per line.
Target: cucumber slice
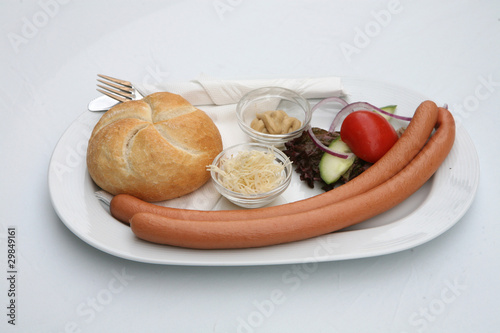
389	108
331	168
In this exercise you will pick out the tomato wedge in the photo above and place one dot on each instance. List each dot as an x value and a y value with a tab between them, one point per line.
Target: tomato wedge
368	134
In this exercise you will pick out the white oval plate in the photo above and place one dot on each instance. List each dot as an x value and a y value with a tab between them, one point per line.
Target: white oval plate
432	210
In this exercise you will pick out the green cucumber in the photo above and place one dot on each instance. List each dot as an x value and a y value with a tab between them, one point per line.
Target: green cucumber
331	168
389	108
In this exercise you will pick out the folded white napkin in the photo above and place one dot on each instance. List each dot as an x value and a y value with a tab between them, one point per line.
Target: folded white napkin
218	98
209	91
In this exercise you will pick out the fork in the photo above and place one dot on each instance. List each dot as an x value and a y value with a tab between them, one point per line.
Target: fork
117	89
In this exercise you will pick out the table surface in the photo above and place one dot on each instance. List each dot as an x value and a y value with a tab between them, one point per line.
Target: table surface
52	51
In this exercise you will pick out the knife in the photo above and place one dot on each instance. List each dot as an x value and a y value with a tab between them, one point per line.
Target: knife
102	103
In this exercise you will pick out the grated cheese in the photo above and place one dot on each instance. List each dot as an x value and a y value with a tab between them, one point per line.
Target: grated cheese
250	172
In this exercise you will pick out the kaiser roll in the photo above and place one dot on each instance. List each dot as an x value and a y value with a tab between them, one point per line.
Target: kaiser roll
157	148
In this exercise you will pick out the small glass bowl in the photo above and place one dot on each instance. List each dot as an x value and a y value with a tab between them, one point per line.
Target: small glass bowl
270	99
252	200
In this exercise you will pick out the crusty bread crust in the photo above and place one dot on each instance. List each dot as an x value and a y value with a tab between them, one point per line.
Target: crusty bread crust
156	149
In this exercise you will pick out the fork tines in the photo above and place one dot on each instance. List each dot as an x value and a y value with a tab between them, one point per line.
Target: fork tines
115	88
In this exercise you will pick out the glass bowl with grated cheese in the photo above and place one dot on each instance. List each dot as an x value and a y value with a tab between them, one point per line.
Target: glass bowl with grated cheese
251	175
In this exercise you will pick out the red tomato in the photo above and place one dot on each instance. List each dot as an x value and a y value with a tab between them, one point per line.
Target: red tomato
368	134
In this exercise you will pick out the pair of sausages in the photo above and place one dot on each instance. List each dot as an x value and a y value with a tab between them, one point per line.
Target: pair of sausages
124	206
397	175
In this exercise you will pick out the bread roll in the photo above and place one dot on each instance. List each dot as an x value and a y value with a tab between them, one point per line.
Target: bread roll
156	149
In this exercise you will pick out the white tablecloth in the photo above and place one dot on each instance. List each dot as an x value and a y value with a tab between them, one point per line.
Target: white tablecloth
51	53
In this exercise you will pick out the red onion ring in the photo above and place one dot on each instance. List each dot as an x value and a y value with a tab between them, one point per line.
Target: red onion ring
361	106
328	100
341	115
324	148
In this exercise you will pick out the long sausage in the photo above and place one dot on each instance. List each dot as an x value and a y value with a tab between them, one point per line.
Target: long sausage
124	206
307	224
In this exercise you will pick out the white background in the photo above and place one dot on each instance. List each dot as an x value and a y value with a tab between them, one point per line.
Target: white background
51	53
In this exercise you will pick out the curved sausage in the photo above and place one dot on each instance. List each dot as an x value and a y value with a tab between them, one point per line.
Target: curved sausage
124	206
307	224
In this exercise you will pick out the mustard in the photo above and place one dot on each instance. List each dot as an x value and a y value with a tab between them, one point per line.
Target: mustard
275	122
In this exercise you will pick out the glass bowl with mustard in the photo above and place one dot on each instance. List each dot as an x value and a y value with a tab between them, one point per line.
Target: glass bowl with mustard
273	115
251	175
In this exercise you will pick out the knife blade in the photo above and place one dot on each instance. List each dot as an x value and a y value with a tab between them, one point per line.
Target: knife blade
102	103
